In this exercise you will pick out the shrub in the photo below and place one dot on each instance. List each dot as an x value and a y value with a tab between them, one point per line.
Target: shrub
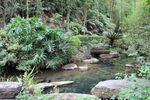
138	89
77	28
28	43
89	41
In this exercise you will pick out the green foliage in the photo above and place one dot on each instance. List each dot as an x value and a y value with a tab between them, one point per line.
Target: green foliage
7	79
112	37
76	41
137	24
29	43
56	18
89	37
77	28
27	78
138	88
72	15
86	98
30	97
89	41
48	97
30	92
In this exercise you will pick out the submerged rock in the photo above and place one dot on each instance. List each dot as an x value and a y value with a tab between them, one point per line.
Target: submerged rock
92	60
72	96
43	85
61	83
51	84
70	66
129	65
107	89
8	90
83	68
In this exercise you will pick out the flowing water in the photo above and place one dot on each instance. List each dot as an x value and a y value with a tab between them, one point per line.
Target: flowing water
84	81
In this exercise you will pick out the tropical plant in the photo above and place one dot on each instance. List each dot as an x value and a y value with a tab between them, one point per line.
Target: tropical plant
112	37
28	43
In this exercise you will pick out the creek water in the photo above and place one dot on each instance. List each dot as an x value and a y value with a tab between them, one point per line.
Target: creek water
84	81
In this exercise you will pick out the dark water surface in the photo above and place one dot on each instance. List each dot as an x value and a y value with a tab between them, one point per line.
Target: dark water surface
84	81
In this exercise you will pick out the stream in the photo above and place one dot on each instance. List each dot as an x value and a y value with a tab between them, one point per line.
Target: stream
84	81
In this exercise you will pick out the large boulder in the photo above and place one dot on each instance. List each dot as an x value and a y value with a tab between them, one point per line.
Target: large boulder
107	89
70	66
96	51
8	90
72	96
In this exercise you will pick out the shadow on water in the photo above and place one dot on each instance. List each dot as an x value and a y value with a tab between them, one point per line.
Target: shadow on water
84	81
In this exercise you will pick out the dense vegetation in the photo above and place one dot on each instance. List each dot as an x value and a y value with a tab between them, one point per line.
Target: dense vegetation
39	34
27	43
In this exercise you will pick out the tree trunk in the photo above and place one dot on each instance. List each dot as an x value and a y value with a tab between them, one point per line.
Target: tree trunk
27	8
111	42
85	18
68	19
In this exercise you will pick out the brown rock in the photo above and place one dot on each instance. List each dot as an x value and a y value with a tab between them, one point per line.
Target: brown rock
95	51
98	52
